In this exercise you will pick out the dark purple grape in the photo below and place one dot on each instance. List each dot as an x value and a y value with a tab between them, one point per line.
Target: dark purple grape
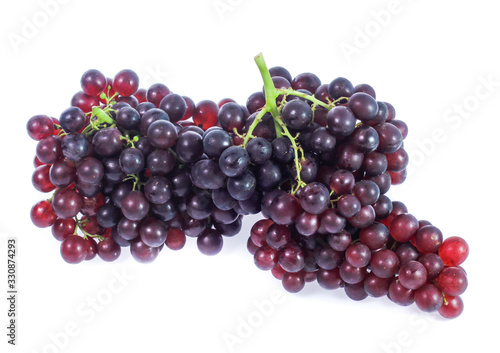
215	142
166	211
339	241
284	209
390	138
269	175
120	191
128	229
210	242
231	229
135	206
291	258
49	149
206	174
232	116
322	141
341	121
341	182
358	255
143	107
282	150
143	253
375	286
433	265
234	161
365	139
374	236
383	207
374	163
256	101
384	263
242	187
340	87
406	253
349	158
72	119
108	142
158	190
331	222
397	161
307	81
160	162
327	258
314	198
364	106
363	218
309	166
199	205
174	105
351	274
189	147
399	294
150	117
412	275
348	205
181	182
222	199
131	161
297	114
259	150
162	134
62	173
366	191
153	232
252	205
307	224
90	170
280	71
365	88
108	215
128	118
75	147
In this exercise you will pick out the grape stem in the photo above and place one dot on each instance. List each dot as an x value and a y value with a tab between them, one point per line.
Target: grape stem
272	94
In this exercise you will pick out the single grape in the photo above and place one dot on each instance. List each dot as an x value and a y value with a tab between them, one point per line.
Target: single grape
73	249
126	82
412	275
285	209
75	147
297	114
205	114
428	298
209	242
90	170
108	142
153	232
156	93
174	105
452	307
108	250
340	87
162	134
42	214
234	161
135	206
364	106
384	263
454	251
143	253
93	82
72	119
452	281
66	203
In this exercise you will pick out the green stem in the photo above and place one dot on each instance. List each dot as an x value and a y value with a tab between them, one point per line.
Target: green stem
270	91
316	101
102	117
256	122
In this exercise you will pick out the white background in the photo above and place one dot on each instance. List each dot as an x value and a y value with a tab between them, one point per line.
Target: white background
431	59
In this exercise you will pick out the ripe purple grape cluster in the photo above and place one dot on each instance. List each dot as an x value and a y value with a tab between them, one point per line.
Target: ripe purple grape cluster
139	168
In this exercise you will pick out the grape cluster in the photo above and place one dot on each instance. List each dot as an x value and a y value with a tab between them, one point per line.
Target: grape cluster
140	168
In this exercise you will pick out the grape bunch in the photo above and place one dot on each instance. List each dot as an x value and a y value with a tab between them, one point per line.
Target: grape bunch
145	169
